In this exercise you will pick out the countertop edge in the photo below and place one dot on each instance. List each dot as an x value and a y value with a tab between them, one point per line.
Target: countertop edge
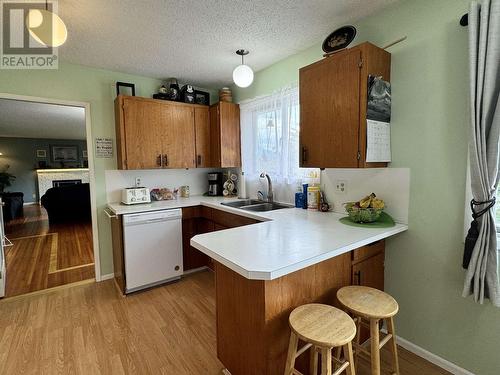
275	274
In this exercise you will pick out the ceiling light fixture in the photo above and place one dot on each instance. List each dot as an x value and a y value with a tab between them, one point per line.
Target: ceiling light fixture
46	27
242	74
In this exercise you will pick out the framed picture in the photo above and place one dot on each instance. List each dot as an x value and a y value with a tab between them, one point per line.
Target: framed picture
64	153
41	154
84	154
124	88
201	97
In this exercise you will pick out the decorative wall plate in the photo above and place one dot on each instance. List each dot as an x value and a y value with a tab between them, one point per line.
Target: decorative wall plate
339	39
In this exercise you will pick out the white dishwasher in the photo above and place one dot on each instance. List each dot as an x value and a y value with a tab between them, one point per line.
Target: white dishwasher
152	248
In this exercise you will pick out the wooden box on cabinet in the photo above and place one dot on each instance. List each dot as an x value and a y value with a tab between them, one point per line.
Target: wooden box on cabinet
333	100
225	135
152	134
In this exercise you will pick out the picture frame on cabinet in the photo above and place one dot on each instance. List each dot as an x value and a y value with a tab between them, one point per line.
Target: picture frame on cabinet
201	97
125	88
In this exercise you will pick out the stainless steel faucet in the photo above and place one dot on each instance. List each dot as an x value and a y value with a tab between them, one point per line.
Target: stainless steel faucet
269	187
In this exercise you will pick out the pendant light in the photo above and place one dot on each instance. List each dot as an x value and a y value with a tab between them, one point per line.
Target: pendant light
242	74
46	27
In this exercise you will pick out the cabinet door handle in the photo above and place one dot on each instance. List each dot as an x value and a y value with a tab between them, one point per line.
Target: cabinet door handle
198	162
159	161
304	154
165	160
357	275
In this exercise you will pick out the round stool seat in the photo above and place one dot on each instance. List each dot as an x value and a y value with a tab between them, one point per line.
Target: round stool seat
368	302
322	325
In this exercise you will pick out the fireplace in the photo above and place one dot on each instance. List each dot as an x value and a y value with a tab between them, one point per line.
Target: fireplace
59	183
48	178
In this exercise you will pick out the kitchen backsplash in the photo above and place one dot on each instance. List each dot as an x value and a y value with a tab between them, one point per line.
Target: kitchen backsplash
196	178
390	184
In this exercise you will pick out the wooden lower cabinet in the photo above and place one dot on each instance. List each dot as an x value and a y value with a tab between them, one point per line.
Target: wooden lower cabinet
369	272
118	261
192	258
252	315
199	220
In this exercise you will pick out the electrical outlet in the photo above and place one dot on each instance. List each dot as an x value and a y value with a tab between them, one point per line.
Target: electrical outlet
137	182
341	186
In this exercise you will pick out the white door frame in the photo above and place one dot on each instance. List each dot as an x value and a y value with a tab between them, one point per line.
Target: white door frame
90	158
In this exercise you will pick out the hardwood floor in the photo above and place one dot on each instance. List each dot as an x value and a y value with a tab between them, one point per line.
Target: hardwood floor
43	255
92	329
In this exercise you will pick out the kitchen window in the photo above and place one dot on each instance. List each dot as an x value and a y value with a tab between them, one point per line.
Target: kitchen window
270	141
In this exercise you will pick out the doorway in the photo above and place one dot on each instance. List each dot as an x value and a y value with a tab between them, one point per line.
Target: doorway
47	185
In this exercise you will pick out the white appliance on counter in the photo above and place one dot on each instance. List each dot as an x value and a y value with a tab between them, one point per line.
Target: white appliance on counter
136	195
152	248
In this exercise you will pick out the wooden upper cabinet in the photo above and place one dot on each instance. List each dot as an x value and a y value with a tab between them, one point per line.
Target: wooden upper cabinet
140	125
179	138
225	135
202	132
333	98
154	134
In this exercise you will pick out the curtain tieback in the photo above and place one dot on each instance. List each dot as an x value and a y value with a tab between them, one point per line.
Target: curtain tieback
490	203
473	233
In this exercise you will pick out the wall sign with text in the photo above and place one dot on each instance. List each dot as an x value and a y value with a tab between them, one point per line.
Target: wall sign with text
104	148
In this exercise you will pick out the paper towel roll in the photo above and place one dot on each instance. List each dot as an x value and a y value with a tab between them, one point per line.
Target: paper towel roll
242	188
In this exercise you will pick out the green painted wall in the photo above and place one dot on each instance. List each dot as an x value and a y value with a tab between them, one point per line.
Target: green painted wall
95	86
429	129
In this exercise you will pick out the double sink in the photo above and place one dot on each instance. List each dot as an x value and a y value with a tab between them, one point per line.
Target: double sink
256	205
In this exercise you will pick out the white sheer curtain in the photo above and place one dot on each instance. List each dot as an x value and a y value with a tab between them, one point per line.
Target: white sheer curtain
270	143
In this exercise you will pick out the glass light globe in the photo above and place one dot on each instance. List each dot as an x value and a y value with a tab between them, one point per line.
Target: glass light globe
47	28
243	75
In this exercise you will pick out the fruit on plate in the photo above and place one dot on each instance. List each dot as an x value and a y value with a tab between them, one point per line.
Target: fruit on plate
370	201
366	210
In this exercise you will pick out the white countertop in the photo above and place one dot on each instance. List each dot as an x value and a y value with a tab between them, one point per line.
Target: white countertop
287	240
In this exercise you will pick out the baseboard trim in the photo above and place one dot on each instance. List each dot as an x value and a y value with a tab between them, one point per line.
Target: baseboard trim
433	358
194	270
107	276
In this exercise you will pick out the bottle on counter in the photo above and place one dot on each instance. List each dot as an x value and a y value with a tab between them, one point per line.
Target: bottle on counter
304	192
313	198
299	196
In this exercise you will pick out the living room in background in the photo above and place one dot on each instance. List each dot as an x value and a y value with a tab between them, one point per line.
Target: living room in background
50	208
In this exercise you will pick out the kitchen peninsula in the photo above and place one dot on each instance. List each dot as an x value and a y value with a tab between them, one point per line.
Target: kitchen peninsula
282	259
264	270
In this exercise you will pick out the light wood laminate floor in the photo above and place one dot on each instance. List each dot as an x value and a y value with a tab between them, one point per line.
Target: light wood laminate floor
92	329
45	256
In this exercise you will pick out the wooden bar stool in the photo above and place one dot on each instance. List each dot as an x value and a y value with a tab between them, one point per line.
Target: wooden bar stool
322	328
372	305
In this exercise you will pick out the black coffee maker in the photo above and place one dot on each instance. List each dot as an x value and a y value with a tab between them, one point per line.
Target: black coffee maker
215	183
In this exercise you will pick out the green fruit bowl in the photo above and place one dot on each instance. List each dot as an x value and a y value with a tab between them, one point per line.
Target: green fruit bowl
362	215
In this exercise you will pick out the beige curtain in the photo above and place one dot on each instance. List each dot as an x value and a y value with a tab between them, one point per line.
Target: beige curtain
482	276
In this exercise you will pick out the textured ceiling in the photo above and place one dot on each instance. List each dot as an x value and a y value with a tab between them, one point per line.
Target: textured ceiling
195	41
40	120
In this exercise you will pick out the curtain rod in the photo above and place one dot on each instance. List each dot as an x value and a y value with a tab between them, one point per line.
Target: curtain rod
464	21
